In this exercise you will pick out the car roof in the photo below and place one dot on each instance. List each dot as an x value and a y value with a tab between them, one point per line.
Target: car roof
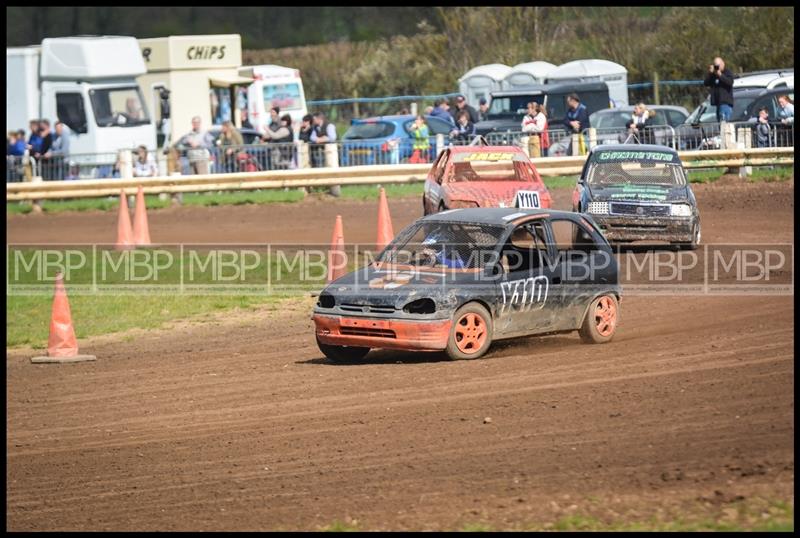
498	216
629	108
628	147
473	149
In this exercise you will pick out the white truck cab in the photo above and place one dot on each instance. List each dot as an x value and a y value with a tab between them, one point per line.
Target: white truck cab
88	83
273	85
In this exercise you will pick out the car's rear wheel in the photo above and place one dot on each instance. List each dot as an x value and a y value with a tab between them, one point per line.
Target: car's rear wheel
342	354
601	320
471	332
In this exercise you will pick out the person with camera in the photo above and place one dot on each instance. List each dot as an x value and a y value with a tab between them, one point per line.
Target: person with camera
720	80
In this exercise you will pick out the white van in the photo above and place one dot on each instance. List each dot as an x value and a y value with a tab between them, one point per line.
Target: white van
273	85
88	83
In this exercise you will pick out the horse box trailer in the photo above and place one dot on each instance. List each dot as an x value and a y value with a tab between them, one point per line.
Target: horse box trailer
89	84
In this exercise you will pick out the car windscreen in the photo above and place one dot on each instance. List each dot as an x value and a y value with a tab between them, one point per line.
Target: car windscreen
610	120
118	107
491	166
453	245
615	173
364	131
514	105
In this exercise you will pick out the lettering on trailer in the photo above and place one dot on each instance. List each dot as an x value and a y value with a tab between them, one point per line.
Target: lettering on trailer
205	53
146	52
524	294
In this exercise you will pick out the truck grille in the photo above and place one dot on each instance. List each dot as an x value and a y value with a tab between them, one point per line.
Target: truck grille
640	210
377	309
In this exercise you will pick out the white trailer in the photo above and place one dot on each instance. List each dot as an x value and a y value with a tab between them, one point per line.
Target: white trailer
89	84
273	85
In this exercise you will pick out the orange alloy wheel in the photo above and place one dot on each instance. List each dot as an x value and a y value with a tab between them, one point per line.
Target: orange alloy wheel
605	316
470	333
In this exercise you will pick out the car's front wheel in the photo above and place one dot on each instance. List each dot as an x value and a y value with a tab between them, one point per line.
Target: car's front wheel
695	240
342	354
471	332
601	319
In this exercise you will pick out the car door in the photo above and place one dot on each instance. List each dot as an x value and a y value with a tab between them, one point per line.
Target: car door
580	269
526	302
433	183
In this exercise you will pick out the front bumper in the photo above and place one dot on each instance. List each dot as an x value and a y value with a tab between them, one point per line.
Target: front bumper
422	335
629	228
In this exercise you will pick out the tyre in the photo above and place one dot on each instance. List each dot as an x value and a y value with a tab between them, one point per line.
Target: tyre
342	354
471	332
601	320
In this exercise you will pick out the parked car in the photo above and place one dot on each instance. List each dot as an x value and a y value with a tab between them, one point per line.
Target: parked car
769	79
249	159
483	176
638	193
457	281
701	130
386	139
610	124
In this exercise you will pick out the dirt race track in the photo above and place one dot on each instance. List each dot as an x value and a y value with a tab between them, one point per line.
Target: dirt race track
240	424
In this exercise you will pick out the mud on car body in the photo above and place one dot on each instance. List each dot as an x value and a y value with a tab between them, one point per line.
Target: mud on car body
483	176
638	193
460	279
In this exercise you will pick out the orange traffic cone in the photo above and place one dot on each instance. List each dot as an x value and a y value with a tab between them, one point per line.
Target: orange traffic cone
385	232
141	232
62	346
124	231
337	259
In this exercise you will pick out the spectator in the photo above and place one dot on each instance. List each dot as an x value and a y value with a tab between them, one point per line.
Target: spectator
534	124
275	122
144	165
541	120
197	143
229	141
461	104
465	129
132	110
639	123
323	132
16	143
761	128
306	128
428	110
483	109
163	95
281	156
720	80
422	144
441	111
35	140
59	151
786	113
47	139
577	120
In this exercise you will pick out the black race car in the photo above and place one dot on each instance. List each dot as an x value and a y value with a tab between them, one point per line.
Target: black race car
459	279
638	193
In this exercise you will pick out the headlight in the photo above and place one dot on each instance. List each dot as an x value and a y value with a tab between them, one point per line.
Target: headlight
681	210
598	208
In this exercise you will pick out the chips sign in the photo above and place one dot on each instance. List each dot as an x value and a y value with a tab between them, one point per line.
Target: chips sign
486	156
636	156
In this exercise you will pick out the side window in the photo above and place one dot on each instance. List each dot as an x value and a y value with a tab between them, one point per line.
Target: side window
438	126
675	118
658	119
70	110
571	237
526	249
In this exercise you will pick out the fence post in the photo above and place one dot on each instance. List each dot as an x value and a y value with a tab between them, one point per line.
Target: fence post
576	150
355	104
303	155
524	141
592	137
656	90
125	164
744	140
414	109
27	166
161	161
332	161
439	143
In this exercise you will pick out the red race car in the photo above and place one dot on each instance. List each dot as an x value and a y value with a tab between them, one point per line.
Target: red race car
483	176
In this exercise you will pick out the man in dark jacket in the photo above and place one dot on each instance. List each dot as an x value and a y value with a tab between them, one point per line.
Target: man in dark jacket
720	80
461	104
577	120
